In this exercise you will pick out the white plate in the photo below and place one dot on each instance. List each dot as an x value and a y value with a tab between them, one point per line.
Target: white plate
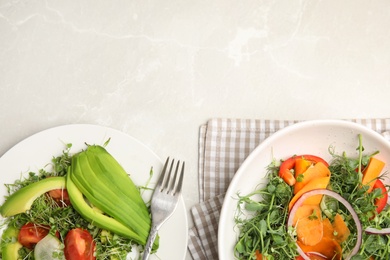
310	137
37	151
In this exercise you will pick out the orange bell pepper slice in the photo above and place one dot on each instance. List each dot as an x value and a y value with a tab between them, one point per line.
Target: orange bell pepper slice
318	183
317	171
372	172
289	164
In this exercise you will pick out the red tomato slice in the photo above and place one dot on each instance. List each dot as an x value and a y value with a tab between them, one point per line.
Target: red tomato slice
30	234
79	245
60	196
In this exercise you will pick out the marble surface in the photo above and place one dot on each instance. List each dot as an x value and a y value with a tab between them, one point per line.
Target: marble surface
157	70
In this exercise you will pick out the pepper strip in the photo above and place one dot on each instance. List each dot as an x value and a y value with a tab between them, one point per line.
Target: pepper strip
381	202
287	165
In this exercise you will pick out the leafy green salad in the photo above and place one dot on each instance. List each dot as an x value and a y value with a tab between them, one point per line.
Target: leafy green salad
84	207
313	209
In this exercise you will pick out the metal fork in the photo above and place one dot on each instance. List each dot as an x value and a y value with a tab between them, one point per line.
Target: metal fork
164	200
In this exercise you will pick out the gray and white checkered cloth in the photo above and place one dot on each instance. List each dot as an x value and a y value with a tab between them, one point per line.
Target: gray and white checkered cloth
224	144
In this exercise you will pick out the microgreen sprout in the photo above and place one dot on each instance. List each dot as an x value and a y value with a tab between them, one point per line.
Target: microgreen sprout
261	215
45	211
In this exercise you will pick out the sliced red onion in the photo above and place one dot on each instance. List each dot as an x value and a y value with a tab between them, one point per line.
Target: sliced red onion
318	254
338	197
301	253
375	231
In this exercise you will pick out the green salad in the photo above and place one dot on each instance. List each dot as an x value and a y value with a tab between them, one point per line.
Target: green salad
313	209
85	207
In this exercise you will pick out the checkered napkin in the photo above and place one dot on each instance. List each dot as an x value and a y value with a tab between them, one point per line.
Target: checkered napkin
223	146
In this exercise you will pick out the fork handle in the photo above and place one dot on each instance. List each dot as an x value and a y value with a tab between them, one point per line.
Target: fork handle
149	243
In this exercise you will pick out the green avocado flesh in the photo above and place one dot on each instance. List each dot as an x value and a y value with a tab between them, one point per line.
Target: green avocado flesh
98	176
100	220
21	200
10	249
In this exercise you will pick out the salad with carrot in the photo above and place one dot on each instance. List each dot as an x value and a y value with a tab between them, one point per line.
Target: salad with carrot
316	209
85	207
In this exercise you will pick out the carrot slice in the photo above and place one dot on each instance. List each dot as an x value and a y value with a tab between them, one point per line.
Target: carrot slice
304	211
315	257
327	247
318	183
259	256
310	229
372	172
341	229
311	256
301	165
333	235
317	171
328	228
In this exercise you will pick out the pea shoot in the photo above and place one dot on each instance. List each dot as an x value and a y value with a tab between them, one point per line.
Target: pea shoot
261	215
45	211
262	225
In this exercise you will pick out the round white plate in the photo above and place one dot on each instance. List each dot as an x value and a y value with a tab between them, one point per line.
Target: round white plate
37	151
310	137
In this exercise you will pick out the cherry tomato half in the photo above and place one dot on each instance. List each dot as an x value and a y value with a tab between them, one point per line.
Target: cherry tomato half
60	196
79	245
30	234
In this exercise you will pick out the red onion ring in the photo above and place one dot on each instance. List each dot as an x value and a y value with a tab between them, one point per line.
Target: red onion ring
338	197
317	254
375	231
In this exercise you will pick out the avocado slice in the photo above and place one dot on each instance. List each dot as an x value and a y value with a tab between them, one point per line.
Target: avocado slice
11	233
22	199
10	245
93	215
98	218
11	251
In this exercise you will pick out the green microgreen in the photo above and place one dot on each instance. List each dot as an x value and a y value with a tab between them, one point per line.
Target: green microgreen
346	179
45	211
261	215
261	219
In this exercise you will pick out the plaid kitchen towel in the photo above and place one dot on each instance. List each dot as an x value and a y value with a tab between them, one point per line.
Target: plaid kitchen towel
223	146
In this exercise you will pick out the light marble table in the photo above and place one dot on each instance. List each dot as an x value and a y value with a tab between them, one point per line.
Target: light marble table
157	70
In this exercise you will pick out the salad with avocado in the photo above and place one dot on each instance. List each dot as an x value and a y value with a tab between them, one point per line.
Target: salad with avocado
85	207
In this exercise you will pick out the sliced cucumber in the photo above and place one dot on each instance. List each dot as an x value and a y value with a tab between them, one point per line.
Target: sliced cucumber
50	247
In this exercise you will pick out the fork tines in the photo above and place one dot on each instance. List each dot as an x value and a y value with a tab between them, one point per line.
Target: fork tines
168	183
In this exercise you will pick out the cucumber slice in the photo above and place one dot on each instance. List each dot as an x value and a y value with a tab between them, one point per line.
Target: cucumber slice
50	247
